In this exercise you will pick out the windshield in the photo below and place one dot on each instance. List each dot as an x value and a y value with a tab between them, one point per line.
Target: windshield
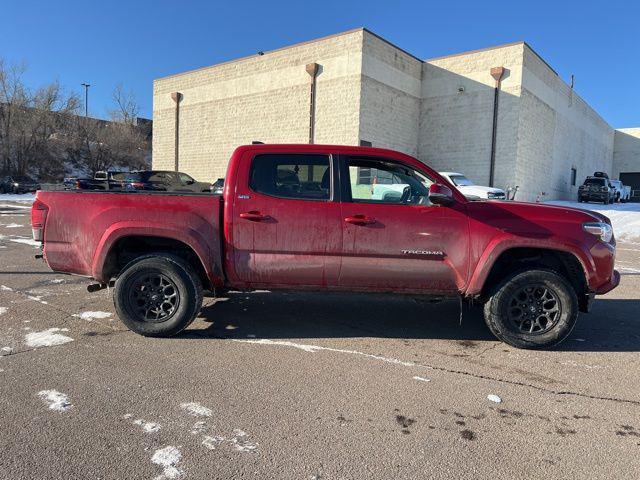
22	179
460	181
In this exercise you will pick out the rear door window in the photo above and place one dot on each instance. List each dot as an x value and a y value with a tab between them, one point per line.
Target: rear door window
300	176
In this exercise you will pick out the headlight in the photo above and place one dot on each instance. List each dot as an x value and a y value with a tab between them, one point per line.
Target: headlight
16	184
600	229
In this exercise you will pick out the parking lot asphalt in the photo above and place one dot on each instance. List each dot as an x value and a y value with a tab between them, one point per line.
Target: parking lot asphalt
306	386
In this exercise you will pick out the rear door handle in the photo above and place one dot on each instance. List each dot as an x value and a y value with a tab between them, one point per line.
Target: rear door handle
254	216
360	220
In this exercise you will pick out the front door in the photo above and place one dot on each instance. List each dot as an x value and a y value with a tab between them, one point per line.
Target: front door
394	239
287	228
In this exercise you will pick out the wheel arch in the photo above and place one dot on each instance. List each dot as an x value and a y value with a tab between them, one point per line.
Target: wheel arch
510	259
122	244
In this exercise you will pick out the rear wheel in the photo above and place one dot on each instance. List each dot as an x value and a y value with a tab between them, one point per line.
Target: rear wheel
532	309
158	295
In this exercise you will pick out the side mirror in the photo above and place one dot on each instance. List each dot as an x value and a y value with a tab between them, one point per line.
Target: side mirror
440	194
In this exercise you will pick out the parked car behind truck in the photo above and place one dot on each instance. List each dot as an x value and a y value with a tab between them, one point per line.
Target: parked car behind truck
471	190
18	184
622	192
303	217
596	189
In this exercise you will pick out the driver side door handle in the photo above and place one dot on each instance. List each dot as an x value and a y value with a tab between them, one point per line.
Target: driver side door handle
360	220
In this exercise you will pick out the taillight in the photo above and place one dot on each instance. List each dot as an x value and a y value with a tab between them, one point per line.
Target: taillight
39	212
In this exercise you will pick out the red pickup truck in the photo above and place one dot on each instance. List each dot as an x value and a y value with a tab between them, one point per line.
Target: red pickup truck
331	218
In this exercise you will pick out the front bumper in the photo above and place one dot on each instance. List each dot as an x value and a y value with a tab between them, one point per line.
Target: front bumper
613	282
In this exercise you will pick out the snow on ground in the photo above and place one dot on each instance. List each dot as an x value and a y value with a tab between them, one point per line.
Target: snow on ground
196	409
93	315
168	457
57	401
18	197
47	338
625	217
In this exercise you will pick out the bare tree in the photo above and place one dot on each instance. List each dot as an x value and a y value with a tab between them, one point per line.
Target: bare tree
34	125
118	143
42	134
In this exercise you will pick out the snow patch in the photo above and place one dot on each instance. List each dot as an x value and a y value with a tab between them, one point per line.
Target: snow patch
168	457
3	310
422	379
149	427
212	442
37	299
317	348
494	398
57	401
196	409
57	280
6	350
11	225
5	288
47	338
238	441
93	315
198	427
17	197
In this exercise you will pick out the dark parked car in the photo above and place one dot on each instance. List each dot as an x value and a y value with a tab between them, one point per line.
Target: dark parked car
165	181
597	189
104	181
18	184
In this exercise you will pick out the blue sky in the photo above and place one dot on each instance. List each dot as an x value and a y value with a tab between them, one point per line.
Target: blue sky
132	42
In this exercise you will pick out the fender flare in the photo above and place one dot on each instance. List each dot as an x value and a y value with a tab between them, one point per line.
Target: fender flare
498	246
192	238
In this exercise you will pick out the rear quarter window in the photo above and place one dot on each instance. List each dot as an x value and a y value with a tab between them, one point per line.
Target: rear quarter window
296	176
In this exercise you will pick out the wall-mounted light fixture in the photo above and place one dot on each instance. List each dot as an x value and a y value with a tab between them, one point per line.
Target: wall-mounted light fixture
176	97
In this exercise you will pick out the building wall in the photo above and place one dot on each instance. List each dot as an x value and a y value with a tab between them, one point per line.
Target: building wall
263	98
439	110
389	96
557	131
456	117
626	151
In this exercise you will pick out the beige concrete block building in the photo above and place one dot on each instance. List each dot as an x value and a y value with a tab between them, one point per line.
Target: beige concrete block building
369	91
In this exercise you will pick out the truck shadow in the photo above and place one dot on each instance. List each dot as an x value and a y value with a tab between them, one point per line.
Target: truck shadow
612	326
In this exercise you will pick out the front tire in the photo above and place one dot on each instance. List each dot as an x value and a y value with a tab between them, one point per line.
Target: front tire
158	295
532	309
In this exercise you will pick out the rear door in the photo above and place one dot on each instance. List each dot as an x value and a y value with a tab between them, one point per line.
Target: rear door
286	224
394	239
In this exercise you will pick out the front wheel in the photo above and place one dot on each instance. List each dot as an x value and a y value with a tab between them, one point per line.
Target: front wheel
158	295
532	309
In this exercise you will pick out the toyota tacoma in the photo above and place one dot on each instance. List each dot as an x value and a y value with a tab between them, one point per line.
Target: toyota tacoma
331	218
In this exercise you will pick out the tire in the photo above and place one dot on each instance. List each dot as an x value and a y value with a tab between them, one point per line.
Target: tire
171	308
504	322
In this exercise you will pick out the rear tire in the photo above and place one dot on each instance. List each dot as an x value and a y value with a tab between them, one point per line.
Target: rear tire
158	295
532	309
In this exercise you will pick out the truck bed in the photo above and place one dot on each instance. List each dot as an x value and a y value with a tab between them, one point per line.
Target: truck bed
82	228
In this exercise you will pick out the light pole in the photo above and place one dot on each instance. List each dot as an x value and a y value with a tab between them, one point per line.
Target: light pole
86	98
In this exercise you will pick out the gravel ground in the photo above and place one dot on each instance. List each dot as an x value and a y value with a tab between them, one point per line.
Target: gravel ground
306	386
